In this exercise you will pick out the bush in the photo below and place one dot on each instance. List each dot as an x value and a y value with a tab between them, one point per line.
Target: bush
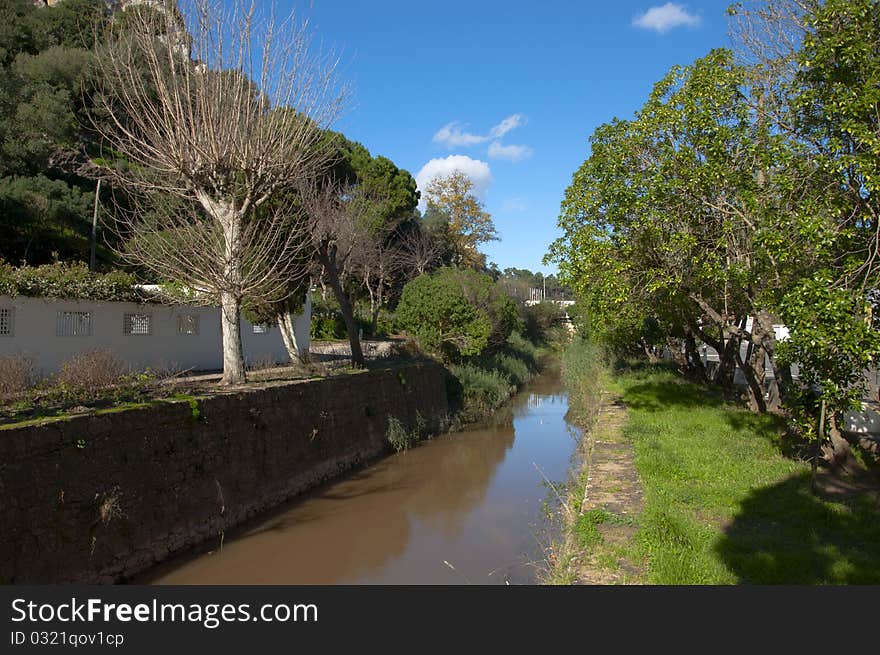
399	437
539	319
262	363
456	312
482	391
62	280
523	349
87	374
327	328
16	374
516	371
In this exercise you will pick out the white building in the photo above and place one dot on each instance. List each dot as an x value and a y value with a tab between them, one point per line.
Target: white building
155	336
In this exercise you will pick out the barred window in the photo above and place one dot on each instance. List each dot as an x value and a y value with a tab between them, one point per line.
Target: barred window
6	321
261	328
188	324
137	324
73	324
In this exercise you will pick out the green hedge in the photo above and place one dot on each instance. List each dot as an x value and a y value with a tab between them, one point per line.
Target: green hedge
61	280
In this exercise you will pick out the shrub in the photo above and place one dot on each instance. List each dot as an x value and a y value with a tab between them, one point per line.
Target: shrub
456	312
515	370
482	390
539	319
62	280
327	328
399	437
262	363
16	374
523	349
88	373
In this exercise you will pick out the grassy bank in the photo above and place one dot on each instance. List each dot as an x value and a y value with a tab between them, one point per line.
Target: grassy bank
479	387
722	503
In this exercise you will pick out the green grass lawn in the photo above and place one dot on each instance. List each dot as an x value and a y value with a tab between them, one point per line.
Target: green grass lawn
724	506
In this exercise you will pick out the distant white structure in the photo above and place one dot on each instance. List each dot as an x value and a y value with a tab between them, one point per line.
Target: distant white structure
177	337
561	303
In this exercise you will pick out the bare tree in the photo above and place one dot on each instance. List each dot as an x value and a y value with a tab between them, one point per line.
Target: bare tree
418	251
337	217
769	33
215	110
378	264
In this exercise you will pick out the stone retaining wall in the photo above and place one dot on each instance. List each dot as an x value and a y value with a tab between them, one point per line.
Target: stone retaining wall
97	499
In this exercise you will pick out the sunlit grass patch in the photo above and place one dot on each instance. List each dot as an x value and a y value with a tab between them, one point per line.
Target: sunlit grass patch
724	505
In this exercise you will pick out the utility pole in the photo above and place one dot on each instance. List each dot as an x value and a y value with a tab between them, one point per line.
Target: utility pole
94	227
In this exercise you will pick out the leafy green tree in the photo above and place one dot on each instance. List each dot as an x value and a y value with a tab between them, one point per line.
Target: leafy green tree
456	312
695	212
71	24
838	108
43	219
40	103
833	342
46	194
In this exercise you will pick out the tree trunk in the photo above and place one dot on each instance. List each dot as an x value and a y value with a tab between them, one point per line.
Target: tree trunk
328	261
298	353
838	452
727	364
374	321
374	307
375	310
649	352
766	336
678	357
695	364
757	403
230	219
717	345
233	359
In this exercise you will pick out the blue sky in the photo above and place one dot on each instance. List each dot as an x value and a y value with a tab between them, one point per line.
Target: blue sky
555	70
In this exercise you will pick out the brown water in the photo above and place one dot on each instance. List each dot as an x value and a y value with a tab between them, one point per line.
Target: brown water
466	507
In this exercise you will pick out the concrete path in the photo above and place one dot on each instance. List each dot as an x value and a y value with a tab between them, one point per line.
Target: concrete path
613	491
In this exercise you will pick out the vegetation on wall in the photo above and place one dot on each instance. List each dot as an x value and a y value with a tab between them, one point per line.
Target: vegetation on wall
61	280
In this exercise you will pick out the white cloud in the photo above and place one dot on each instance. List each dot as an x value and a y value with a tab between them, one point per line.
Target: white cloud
510	123
513	205
511	153
478	171
663	18
452	136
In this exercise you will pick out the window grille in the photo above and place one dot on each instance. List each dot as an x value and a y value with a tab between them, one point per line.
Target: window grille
137	324
261	328
74	324
6	324
188	324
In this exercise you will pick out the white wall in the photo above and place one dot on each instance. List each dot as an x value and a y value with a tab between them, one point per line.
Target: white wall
35	326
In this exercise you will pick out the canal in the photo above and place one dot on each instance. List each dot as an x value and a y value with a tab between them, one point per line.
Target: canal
463	508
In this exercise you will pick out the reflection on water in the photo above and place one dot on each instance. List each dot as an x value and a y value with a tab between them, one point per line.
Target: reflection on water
462	508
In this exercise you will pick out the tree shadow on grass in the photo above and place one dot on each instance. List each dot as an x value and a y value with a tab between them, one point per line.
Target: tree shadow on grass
773	428
783	534
657	396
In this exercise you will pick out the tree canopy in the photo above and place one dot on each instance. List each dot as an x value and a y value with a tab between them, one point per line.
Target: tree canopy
469	224
743	194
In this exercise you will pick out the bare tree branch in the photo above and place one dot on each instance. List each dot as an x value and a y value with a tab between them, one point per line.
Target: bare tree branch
211	110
